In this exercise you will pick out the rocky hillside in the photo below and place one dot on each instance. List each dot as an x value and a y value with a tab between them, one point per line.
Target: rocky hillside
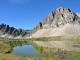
57	18
5	30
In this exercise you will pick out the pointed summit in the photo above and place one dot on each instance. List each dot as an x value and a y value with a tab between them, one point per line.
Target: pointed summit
58	18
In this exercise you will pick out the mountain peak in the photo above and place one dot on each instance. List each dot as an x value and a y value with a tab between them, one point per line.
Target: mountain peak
58	18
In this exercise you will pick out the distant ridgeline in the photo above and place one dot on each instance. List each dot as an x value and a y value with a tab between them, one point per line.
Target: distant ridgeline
6	31
58	18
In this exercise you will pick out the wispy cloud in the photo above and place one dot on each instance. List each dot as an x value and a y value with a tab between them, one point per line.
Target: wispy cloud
19	1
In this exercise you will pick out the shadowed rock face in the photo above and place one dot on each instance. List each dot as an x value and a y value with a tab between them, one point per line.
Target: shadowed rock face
58	18
5	29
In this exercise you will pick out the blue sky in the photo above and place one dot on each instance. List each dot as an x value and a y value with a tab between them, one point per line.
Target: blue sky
27	13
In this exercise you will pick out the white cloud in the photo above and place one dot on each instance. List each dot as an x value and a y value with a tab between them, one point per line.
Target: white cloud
19	1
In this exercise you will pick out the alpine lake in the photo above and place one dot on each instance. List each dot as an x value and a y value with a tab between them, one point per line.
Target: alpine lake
41	48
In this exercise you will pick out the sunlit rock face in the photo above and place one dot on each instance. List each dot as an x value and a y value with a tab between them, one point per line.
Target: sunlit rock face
58	18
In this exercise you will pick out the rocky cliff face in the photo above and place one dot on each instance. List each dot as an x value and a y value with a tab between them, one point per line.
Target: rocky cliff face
11	31
58	18
36	28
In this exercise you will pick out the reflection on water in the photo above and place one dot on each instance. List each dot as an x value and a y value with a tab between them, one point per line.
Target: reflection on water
26	50
41	48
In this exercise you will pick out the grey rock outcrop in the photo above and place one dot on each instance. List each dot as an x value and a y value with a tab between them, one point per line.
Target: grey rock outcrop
23	33
58	18
1	26
11	31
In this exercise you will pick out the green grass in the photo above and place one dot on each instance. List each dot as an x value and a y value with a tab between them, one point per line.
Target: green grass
40	39
4	48
14	57
75	54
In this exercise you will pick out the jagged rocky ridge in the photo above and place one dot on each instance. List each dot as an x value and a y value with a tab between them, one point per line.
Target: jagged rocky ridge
11	31
57	18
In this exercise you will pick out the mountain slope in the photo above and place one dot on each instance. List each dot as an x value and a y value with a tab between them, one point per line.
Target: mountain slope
68	30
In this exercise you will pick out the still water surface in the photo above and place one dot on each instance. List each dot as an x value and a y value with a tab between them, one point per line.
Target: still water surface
41	48
26	50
